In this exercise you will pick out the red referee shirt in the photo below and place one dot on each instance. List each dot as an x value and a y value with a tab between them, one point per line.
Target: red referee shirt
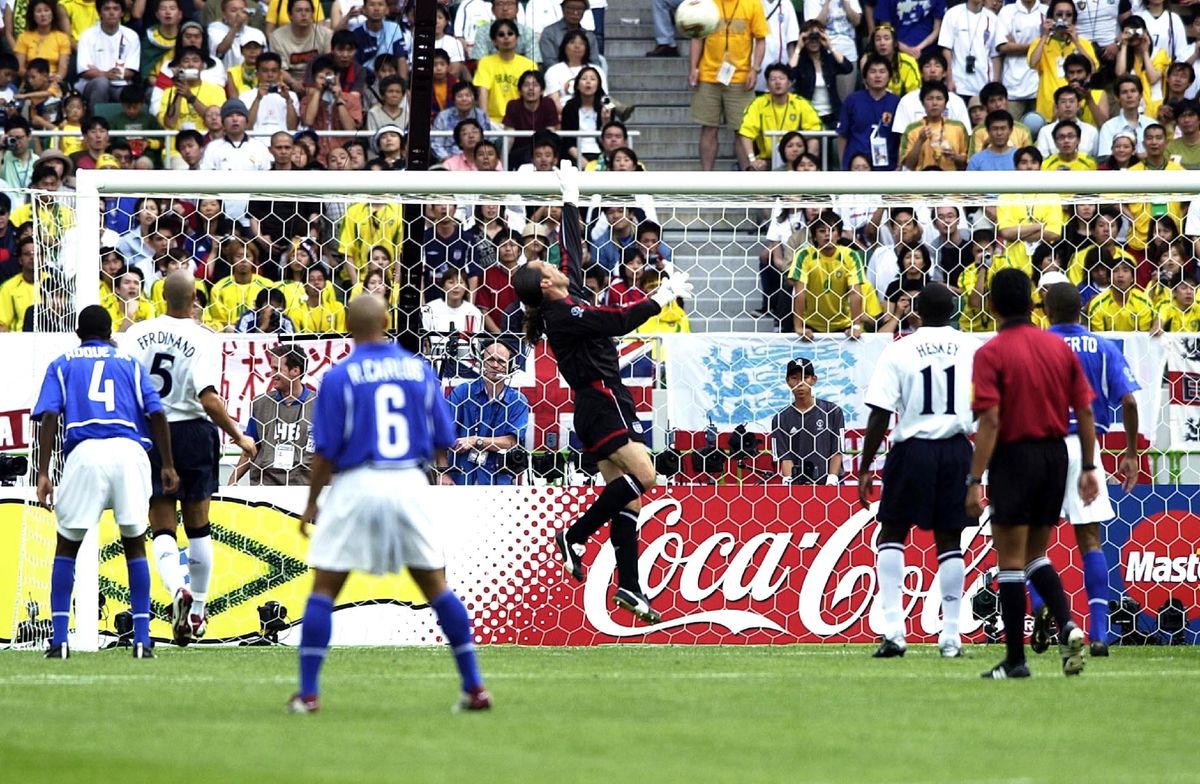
1035	379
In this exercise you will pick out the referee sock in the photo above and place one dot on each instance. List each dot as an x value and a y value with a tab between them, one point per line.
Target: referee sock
314	641
1012	611
166	556
612	500
200	559
456	625
623	534
889	565
1095	583
1040	572
139	599
950	578
62	582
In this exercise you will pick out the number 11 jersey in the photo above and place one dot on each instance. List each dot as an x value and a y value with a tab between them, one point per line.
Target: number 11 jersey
181	357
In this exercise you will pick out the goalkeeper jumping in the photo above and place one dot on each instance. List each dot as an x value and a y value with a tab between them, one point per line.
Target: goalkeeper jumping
558	305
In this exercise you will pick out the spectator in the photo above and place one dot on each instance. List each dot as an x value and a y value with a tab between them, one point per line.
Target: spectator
1099	23
317	312
280	424
190	146
193	35
788	148
1018	27
1181	314
17	294
233	296
134	117
158	41
778	110
303	255
827	281
658	253
724	68
621	234
367	225
917	23
173	259
573	54
327	106
906	73
300	42
497	75
138	245
934	140
554	35
244	76
42	39
994	97
807	435
1023	222
840	18
950	243
446	247
470	17
1066	107
1059	40
997	155
818	68
625	289
864	125
227	36
273	106
56	312
914	270
184	104
485	43
467	136
1102	231
487	224
1129	118
536	239
392	109
1141	212
109	55
490	417
910	109
444	83
1123	306
280	14
671	320
389	142
664	28
1185	148
496	294
450	322
236	151
378	35
968	37
1067	137
127	306
464	108
589	109
1165	31
18	161
41	93
1179	80
1167	261
8	73
267	318
533	111
902	228
1137	56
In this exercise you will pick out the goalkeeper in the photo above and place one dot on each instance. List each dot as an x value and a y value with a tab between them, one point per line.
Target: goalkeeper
558	305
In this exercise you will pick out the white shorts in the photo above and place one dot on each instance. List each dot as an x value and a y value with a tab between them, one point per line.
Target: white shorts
376	520
1073	510
104	473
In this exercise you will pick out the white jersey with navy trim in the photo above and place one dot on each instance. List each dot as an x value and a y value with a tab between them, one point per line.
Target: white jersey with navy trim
181	357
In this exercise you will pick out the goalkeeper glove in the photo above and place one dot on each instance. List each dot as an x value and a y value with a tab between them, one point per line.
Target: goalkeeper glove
568	180
671	288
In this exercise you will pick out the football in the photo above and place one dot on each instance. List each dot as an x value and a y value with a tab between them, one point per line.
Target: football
697	18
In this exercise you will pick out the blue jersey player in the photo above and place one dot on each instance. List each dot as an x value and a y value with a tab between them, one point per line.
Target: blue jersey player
1114	384
380	420
104	398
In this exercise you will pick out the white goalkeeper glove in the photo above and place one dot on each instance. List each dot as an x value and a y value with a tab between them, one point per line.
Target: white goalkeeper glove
672	288
568	181
832	479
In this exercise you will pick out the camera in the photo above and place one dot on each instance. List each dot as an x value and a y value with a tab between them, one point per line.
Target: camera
272	88
1135	32
189	74
10	143
12	467
606	102
329	80
515	460
971	63
1060	25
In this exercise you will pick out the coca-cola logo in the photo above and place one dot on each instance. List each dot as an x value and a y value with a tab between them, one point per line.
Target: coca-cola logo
1161	560
793	580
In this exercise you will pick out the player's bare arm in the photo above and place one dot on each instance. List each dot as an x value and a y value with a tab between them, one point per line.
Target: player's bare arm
214	406
1089	483
1129	465
322	472
985	443
47	433
877	425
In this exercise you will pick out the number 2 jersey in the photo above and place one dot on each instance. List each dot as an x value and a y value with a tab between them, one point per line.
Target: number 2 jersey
181	357
100	392
382	407
925	378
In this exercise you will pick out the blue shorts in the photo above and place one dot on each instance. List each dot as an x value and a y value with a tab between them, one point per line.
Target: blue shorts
925	484
196	447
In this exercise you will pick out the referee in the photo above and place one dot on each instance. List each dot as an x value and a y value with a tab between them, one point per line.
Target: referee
1027	382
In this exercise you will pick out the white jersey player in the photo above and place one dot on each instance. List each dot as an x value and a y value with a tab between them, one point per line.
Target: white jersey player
181	357
925	379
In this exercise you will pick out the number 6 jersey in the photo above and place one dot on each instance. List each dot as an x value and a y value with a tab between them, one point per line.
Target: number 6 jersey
181	358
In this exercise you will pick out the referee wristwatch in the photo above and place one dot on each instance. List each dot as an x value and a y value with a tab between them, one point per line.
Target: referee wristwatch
479	442
974	481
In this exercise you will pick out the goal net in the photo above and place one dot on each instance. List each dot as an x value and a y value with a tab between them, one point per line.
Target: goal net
787	268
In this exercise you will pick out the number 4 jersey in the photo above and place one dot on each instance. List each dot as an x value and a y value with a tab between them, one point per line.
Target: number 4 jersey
925	379
181	357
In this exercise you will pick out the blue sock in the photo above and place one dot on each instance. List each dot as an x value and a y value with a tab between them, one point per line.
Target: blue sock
139	599
1095	583
314	641
1035	598
456	625
62	582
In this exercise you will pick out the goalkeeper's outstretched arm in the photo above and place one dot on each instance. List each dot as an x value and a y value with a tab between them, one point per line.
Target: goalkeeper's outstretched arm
570	243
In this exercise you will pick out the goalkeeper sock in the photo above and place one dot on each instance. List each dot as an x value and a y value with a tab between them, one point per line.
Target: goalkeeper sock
623	534
456	625
1012	611
200	558
62	582
1095	582
889	565
950	578
314	641
166	556
1040	572
615	497
139	599
1035	598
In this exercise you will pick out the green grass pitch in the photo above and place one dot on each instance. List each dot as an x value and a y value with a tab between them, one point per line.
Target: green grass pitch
609	714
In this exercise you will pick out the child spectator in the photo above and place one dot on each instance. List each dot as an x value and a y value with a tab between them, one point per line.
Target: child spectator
232	296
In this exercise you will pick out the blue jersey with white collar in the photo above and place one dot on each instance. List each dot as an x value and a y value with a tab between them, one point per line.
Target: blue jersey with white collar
381	406
101	392
1105	368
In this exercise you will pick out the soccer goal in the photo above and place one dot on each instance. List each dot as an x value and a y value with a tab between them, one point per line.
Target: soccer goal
733	552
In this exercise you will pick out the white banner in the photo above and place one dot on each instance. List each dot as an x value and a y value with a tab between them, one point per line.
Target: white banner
1183	383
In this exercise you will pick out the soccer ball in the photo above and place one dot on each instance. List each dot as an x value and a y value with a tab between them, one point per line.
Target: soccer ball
696	18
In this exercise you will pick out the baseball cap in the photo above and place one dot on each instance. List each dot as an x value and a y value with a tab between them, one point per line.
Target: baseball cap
390	128
800	367
107	161
252	35
1052	278
535	230
234	106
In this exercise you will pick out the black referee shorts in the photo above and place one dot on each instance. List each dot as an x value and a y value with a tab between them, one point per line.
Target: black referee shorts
1026	481
196	447
924	484
605	419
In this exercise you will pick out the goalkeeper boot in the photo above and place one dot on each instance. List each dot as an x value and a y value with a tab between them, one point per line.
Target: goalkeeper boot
1098	648
299	704
571	555
143	650
1043	630
181	608
198	625
1071	649
1005	670
480	699
60	651
889	648
637	604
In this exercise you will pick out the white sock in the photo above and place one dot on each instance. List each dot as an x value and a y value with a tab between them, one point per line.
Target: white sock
200	557
166	555
950	578
890	568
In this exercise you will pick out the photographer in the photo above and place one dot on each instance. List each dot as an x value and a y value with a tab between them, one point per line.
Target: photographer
273	107
807	435
326	107
817	66
280	423
184	104
1059	40
489	417
18	158
267	317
